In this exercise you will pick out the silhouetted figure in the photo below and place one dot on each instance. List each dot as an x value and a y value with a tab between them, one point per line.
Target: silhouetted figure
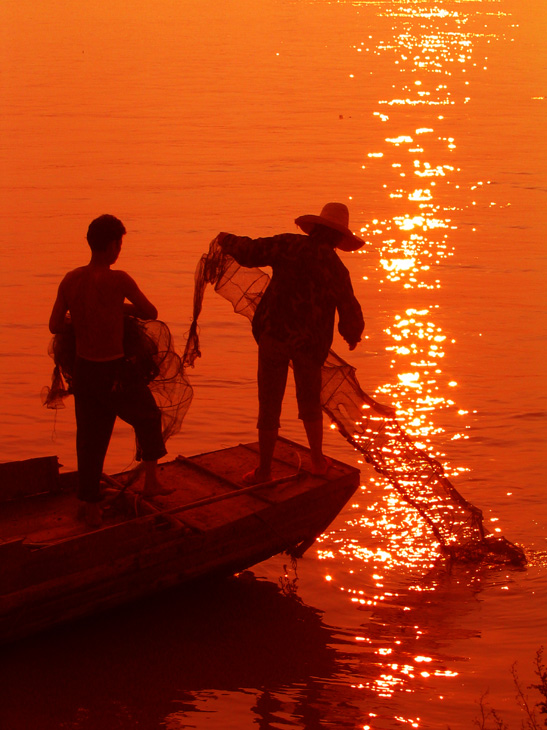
294	321
105	383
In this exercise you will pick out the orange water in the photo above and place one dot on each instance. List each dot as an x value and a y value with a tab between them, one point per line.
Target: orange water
186	118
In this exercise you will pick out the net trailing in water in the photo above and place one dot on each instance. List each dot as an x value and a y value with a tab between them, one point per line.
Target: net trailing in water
370	427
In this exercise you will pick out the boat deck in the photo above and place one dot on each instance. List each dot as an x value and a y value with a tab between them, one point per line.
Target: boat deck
214	478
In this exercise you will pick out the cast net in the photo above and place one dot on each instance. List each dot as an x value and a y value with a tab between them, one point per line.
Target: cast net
370	427
149	345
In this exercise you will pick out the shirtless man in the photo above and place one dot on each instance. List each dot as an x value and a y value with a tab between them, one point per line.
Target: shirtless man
105	384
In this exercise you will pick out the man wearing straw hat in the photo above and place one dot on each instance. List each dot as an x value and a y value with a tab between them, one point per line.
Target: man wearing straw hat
294	321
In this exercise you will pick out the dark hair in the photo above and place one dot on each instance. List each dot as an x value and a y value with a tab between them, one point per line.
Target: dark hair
103	230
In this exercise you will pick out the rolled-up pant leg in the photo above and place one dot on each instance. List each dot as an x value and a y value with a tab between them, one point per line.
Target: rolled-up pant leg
308	383
135	405
273	367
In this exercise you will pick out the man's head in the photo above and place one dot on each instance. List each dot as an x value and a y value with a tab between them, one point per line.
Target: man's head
326	234
103	231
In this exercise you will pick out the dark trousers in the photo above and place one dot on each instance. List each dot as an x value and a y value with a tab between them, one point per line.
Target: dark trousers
103	391
273	367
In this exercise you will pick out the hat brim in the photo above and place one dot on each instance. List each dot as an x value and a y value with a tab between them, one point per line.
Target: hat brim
350	242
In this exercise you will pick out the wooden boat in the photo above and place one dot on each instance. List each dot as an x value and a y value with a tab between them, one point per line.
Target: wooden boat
53	568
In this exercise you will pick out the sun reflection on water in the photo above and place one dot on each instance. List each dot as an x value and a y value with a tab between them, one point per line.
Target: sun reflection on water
431	50
429	54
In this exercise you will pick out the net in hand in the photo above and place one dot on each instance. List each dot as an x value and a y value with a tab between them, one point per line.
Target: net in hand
149	345
370	427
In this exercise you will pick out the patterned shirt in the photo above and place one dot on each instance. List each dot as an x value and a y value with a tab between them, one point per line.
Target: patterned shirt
309	283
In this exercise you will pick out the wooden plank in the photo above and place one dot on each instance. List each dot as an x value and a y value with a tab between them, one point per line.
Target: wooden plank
290	458
84	552
53	517
30	476
233	486
39	518
231	464
197	491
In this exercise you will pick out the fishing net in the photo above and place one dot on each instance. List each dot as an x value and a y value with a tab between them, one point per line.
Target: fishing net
149	345
370	427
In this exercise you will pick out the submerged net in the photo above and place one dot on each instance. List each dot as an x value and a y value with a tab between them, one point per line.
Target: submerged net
370	427
149	345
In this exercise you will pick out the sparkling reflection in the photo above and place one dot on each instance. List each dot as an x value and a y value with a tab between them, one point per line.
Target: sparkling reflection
429	55
430	50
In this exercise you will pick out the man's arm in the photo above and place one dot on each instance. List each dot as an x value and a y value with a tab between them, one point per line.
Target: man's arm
58	313
350	316
350	321
251	252
139	305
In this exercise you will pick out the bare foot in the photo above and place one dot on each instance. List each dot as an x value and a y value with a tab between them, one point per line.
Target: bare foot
320	469
256	477
155	489
93	514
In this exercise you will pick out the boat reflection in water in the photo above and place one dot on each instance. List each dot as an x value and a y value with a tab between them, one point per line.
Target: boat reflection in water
176	660
161	662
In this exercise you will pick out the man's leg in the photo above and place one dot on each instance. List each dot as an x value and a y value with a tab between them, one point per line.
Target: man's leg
95	419
153	487
307	378
273	367
135	405
267	438
314	432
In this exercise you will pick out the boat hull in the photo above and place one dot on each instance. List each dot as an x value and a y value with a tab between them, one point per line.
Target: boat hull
211	526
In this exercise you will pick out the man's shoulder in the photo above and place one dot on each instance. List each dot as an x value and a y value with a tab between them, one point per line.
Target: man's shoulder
331	261
117	278
122	281
121	274
78	271
73	276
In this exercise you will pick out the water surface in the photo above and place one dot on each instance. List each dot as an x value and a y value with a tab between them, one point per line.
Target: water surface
186	118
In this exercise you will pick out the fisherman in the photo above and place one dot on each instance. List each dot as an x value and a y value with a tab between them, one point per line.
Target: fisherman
106	384
294	321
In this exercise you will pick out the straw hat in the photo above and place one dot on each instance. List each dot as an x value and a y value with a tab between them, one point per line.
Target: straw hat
335	216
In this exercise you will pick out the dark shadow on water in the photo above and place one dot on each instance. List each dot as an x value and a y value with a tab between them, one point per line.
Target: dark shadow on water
241	653
134	666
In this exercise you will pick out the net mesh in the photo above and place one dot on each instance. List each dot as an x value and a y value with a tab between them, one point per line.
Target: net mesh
150	346
370	427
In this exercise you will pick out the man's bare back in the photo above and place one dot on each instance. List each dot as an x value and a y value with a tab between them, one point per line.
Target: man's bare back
95	295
